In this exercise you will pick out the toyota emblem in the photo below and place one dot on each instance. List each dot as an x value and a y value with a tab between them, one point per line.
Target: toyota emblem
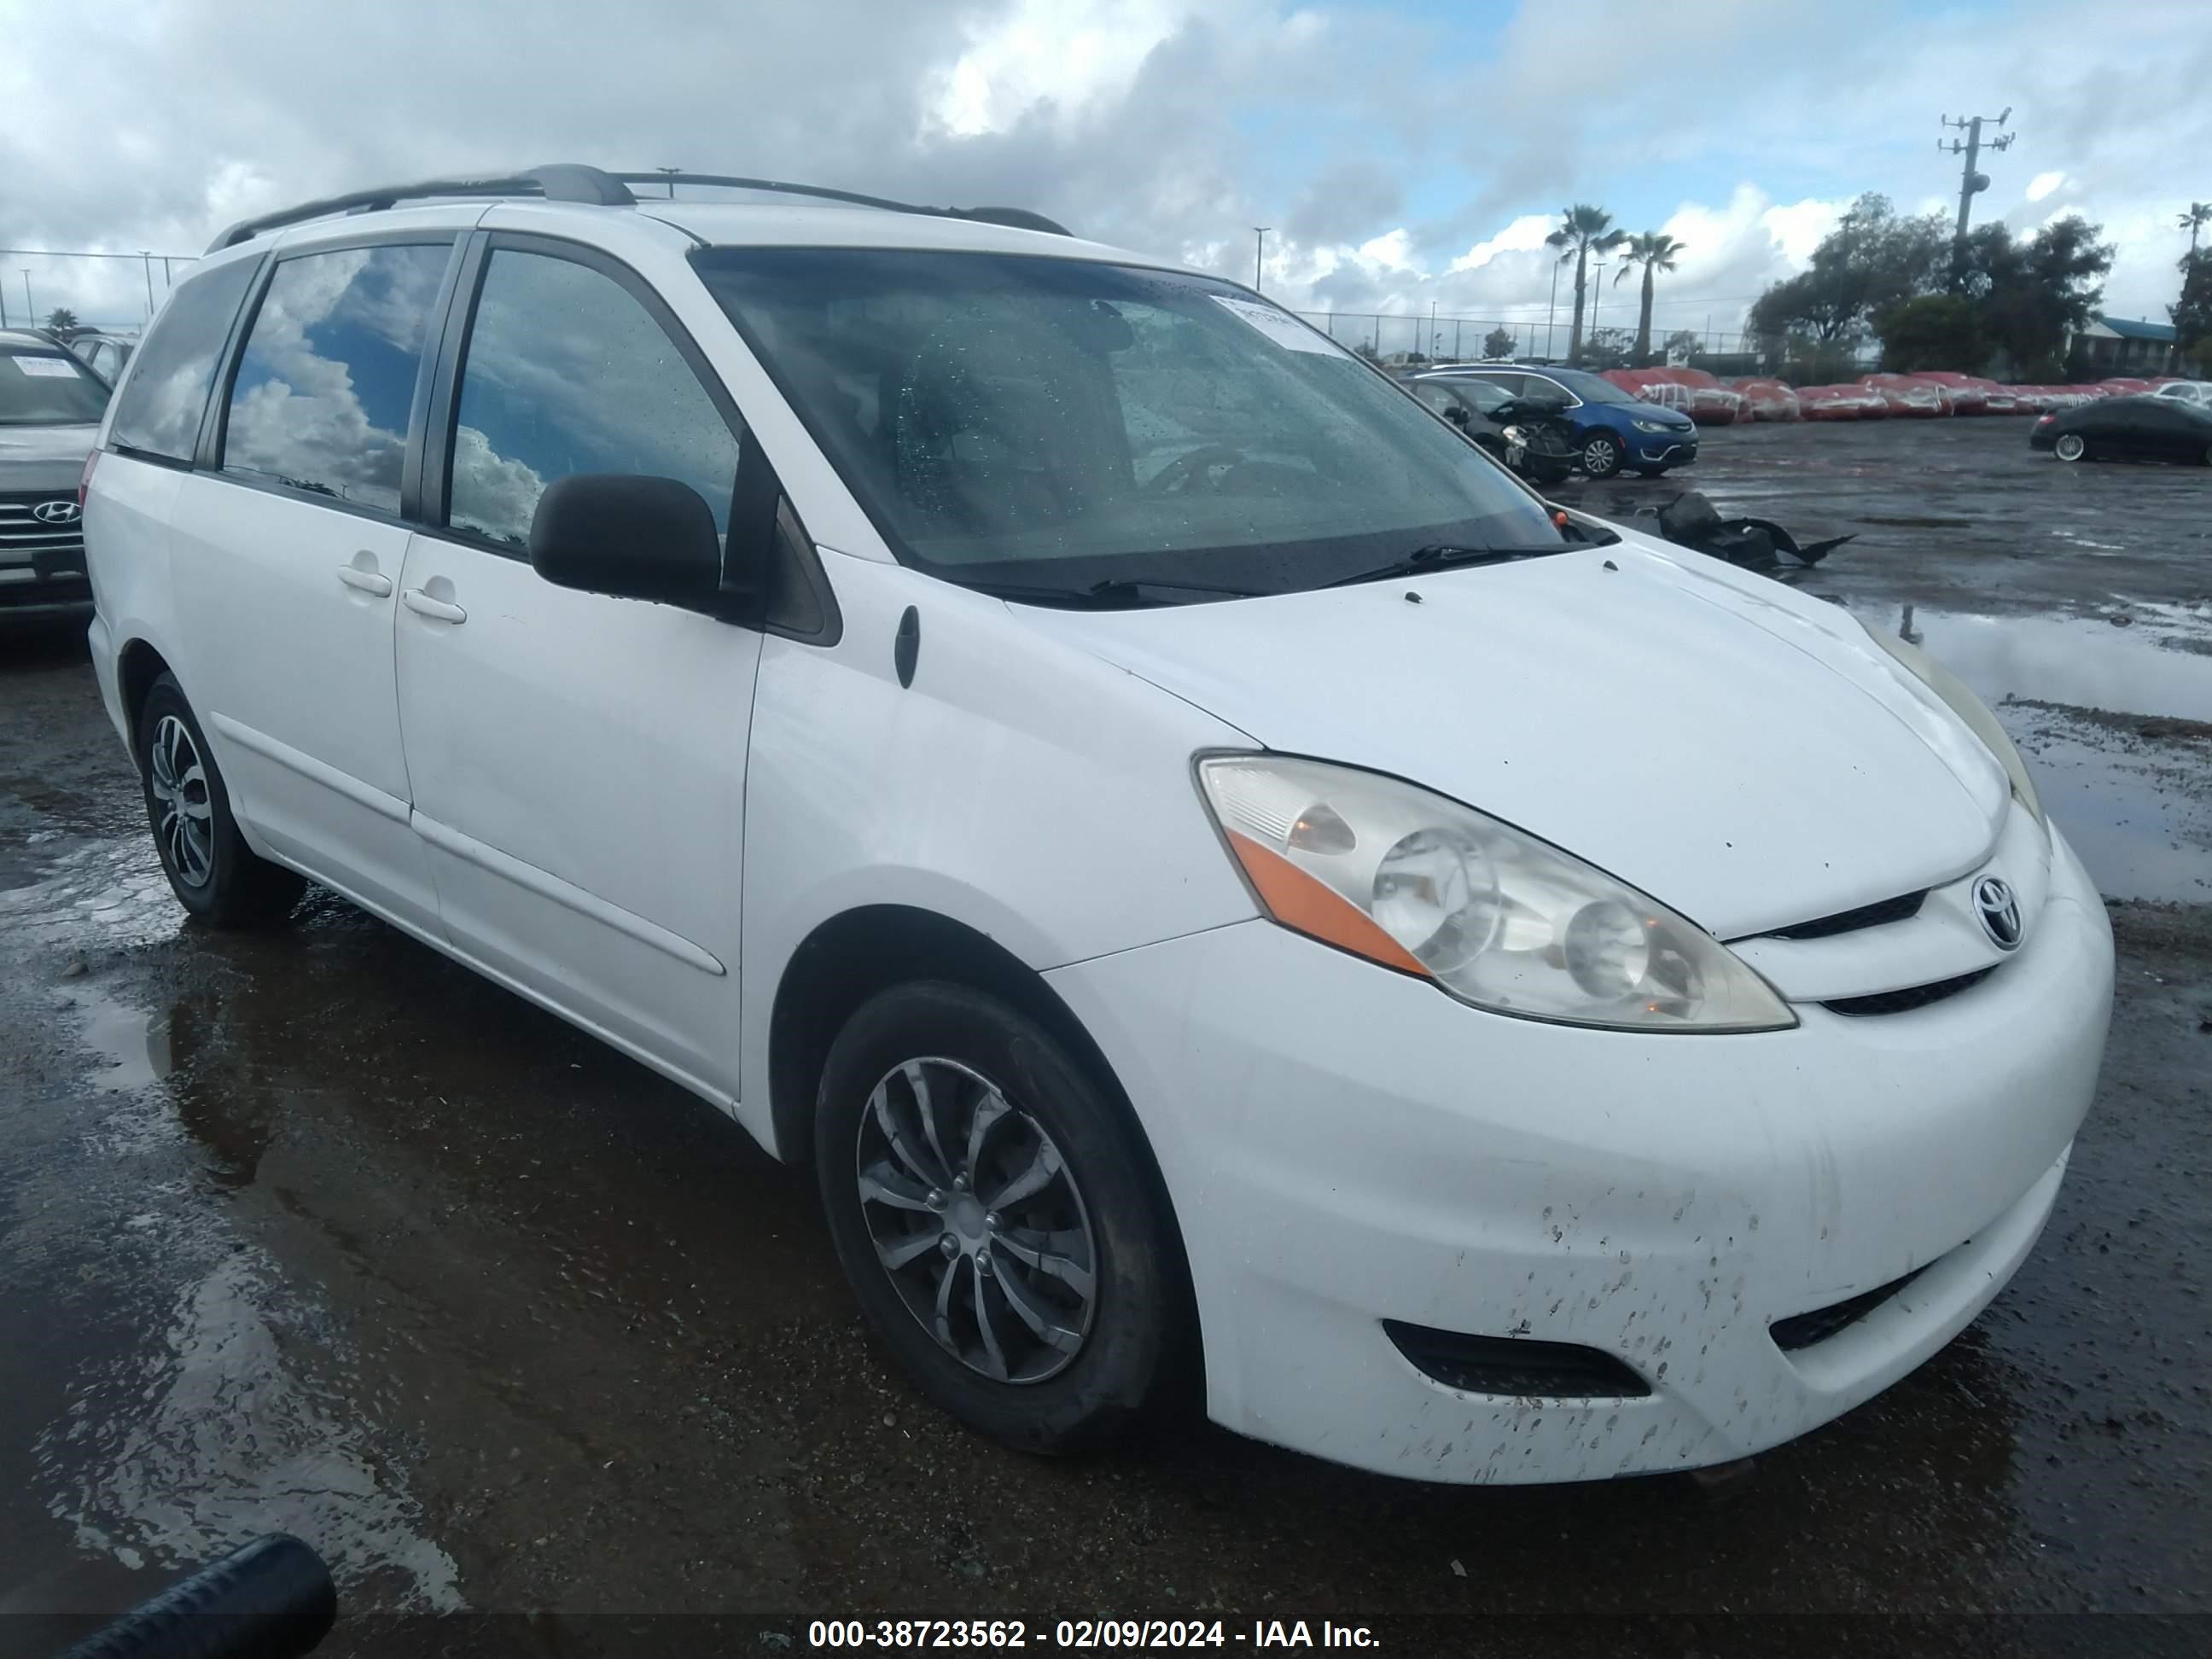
1999	909
56	512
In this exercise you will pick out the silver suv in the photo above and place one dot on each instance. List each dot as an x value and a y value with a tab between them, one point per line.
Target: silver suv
50	411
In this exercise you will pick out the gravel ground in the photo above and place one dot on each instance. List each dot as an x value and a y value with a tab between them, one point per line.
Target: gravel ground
317	1232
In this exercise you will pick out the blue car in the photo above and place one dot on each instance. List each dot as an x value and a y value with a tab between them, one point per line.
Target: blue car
1612	430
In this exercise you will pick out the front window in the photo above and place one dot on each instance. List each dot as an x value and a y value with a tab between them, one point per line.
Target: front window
1059	424
47	388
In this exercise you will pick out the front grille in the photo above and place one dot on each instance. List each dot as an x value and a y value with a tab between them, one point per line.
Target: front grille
1803	1330
1514	1366
1903	1001
20	533
1903	908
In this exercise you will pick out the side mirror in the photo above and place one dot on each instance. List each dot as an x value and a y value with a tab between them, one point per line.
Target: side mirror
631	537
1456	414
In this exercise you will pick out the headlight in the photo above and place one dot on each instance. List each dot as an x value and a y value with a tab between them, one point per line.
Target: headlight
1968	707
1495	917
1652	425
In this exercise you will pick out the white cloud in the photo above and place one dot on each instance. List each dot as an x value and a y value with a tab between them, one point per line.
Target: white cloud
2043	184
1523	235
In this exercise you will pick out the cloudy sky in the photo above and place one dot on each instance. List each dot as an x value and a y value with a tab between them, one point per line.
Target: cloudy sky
1406	154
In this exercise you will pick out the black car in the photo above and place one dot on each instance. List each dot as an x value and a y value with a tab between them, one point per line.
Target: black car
1530	435
2129	429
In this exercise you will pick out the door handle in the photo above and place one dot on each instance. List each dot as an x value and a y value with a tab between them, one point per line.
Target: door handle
423	605
366	581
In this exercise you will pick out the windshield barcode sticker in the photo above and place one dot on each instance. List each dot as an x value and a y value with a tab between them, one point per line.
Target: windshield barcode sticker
1284	329
46	368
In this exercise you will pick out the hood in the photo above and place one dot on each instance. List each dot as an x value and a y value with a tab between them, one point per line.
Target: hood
44	458
1735	750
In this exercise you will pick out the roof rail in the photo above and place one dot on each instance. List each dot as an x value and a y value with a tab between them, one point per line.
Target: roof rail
571	182
561	182
1018	218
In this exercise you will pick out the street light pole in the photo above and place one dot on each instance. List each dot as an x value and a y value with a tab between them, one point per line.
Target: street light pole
670	185
1551	309
1259	252
147	255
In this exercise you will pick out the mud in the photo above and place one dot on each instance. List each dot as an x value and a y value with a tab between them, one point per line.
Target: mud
317	1232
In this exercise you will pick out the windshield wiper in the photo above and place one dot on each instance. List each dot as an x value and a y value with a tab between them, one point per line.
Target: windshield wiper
1112	595
1445	556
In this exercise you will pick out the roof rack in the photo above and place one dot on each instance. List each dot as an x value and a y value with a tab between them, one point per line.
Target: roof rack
572	182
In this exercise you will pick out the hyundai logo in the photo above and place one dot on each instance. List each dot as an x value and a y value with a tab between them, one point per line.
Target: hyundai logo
1999	909
56	512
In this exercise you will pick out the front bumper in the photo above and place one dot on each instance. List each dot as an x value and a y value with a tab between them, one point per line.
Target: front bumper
1662	449
1344	1146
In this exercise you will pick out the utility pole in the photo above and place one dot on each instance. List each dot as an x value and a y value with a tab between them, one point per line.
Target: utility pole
148	258
1970	181
670	185
1259	252
1551	307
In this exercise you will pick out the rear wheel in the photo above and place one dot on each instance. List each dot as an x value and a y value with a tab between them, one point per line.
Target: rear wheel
213	872
994	1208
2071	446
1602	454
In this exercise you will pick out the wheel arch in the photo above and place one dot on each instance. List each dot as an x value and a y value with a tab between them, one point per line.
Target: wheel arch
853	956
138	665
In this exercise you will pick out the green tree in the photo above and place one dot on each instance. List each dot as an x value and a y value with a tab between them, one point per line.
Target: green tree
63	321
2192	315
1688	341
2198	216
1606	347
1498	343
1872	260
2030	296
1931	331
1655	251
1583	230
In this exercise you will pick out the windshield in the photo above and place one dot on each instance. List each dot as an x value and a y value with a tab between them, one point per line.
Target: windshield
1591	388
47	388
1059	424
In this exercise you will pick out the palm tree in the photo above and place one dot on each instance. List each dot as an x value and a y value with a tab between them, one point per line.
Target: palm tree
1654	251
2198	216
62	320
1583	230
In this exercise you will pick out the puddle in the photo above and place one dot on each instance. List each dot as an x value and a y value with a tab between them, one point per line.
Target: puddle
2138	812
2086	662
134	1043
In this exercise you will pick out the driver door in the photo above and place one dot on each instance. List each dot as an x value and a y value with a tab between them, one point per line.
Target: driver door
578	760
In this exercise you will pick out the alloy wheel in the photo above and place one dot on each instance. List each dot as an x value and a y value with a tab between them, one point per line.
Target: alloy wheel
2071	446
977	1220
184	817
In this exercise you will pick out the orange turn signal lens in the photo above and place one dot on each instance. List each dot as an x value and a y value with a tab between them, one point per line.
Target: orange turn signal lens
1307	905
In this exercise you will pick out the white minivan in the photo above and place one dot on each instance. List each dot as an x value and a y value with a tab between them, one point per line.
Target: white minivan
1221	881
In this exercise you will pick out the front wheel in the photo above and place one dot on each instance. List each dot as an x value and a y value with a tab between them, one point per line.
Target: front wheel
994	1207
1601	455
213	872
2071	446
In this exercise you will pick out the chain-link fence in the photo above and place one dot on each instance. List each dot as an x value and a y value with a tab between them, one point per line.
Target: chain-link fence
1397	335
112	292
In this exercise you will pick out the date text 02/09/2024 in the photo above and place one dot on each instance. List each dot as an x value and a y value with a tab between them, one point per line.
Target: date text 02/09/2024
1081	1634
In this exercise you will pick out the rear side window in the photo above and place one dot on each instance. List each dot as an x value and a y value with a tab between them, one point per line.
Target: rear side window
323	387
159	412
566	372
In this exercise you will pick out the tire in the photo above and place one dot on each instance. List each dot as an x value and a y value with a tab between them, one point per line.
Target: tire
213	872
1650	472
2071	446
892	1214
1602	454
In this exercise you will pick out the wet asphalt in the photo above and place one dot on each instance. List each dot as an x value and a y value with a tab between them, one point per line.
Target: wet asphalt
318	1232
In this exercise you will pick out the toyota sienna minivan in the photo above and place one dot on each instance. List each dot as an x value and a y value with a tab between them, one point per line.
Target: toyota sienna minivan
1221	883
